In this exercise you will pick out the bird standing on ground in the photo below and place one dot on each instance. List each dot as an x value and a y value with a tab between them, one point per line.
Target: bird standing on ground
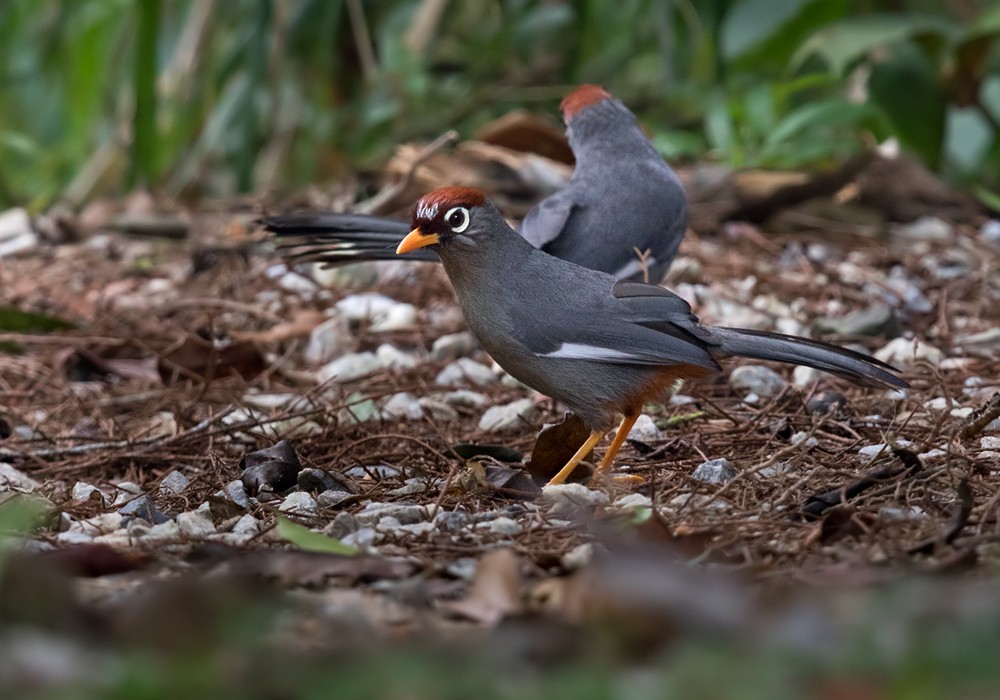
601	346
622	212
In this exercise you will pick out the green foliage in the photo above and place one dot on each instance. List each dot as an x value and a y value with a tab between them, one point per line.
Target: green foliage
196	97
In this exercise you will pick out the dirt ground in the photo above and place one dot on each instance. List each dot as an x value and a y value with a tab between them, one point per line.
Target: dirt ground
187	355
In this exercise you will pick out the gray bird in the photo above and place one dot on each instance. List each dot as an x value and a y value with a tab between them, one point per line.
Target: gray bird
601	346
622	202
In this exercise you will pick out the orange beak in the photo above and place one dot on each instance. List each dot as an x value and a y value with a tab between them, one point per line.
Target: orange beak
416	239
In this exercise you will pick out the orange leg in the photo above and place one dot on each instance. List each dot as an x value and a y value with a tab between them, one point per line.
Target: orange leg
616	444
575	460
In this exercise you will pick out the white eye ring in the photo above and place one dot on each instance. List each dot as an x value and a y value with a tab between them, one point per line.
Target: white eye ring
464	214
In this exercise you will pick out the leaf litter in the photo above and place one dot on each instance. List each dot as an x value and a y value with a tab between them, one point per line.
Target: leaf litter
162	359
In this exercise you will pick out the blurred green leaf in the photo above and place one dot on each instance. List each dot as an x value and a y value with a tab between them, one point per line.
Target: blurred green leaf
751	22
14	320
309	541
850	40
906	88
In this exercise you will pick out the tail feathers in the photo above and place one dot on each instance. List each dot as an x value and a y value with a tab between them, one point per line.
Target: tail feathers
354	224
762	345
339	239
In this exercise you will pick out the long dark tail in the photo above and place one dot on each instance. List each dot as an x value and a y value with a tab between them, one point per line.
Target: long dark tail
337	239
762	345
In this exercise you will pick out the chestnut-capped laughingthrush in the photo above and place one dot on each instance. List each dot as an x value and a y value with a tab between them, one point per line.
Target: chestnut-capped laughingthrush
623	200
601	346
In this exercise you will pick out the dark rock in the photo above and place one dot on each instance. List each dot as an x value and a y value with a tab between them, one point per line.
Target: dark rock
823	402
311	479
271	476
876	320
143	507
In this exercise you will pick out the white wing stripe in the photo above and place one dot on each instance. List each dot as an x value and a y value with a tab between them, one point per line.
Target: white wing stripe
579	351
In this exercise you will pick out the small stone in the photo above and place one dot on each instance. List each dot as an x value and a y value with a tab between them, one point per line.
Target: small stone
682	400
129	488
453	346
405	513
174	482
902	513
632	501
926	228
908	352
16	232
803	437
568	498
645	430
83	492
363	538
12	479
410	487
328	340
504	526
875	320
294	282
162	424
349	367
396	318
341	526
195	524
366	306
312	479
578	557
98	525
375	471
388	524
438	410
990	232
715	471
237	493
689	501
451	520
168	530
511	416
803	376
358	410
464	398
902	290
823	402
463	569
758	379
465	371
298	503
930	455
392	357
775	470
143	507
247	526
403	405
71	537
990	442
332	498
415	529
873	451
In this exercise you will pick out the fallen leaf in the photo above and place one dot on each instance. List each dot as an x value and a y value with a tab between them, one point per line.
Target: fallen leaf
555	445
299	325
309	541
199	358
495	592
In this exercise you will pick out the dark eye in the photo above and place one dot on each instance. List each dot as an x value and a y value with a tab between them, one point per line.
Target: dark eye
457	218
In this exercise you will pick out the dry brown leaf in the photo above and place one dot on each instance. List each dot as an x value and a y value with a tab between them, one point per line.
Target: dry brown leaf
495	593
299	325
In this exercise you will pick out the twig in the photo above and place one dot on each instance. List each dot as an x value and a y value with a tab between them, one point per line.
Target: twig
391	191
